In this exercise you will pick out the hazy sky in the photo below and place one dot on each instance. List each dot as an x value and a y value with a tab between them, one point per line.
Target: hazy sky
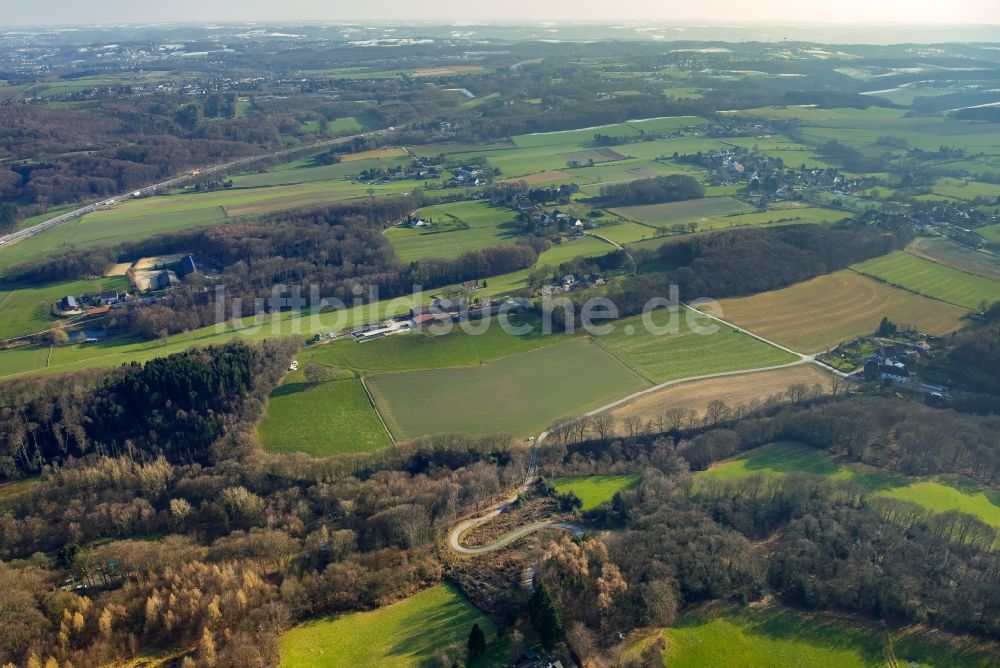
70	12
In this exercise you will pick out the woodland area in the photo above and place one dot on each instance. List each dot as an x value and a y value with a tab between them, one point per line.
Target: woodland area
244	544
334	249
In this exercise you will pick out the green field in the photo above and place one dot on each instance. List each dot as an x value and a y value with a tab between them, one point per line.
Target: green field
408	633
707	212
306	170
966	190
684	354
931	279
594	490
937	494
418	350
29	309
116	351
321	419
454	229
724	636
991	234
957	256
143	218
519	395
767	637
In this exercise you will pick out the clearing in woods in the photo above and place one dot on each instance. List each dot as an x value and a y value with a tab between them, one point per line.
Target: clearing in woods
772	635
408	633
936	494
817	314
453	229
594	490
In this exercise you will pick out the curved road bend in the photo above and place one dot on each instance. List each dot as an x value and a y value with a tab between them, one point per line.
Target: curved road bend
455	535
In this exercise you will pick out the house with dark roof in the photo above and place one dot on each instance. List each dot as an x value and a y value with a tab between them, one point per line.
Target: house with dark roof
188	266
109	297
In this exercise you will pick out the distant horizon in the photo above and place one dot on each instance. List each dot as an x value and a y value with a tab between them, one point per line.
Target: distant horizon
861	13
528	22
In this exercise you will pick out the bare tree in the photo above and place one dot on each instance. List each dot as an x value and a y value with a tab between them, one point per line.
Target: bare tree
604	425
797	392
716	411
674	418
633	425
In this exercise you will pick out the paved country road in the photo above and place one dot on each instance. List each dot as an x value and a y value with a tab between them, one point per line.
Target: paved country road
455	535
20	235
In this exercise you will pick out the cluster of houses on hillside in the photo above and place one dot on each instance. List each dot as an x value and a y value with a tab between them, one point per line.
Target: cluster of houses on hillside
894	363
99	304
91	304
430	169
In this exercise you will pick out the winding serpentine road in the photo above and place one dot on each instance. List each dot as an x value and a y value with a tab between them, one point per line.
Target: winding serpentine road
455	535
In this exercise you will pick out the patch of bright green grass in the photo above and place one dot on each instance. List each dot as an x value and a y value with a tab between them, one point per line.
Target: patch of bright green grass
931	279
408	633
321	419
454	229
772	636
594	490
936	494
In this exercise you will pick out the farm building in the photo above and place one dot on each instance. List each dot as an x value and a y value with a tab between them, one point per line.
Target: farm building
68	304
425	318
109	297
886	368
163	280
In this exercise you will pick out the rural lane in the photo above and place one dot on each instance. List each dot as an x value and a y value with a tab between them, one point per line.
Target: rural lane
455	535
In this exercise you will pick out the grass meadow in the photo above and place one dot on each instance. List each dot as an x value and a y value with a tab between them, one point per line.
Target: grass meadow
932	279
724	637
698	211
661	358
520	395
321	419
594	490
419	350
29	309
936	494
456	228
408	633
955	255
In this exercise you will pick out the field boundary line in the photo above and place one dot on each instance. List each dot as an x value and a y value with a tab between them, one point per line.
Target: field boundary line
912	249
689	379
371	400
613	355
911	290
803	357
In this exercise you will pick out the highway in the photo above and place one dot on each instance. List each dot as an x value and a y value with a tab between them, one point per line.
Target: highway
27	232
